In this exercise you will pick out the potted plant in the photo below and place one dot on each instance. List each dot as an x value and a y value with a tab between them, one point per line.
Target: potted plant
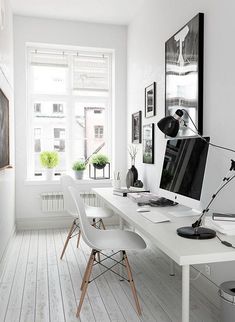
49	160
99	161
78	168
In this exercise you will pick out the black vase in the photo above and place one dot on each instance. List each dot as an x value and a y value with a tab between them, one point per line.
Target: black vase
135	173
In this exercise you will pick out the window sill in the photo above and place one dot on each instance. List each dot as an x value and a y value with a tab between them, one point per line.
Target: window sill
56	181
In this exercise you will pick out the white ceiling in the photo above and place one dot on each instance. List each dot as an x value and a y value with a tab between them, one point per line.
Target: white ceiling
101	11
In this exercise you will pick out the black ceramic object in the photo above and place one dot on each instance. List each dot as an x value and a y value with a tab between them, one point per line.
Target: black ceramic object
135	173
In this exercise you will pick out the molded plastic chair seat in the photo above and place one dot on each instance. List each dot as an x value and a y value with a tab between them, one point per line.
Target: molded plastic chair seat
105	240
98	212
95	213
116	240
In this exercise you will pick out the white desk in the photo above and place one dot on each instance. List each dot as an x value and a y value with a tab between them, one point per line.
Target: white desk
184	252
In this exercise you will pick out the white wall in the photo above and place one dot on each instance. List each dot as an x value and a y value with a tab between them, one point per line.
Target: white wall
63	33
156	22
7	176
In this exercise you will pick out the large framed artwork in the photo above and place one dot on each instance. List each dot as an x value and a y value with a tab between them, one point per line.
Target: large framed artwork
184	73
136	127
150	100
4	131
148	143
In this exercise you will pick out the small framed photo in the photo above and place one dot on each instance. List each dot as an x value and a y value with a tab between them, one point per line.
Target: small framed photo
148	143
136	127
150	100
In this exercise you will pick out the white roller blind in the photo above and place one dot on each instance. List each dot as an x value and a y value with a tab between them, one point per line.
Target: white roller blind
49	59
91	73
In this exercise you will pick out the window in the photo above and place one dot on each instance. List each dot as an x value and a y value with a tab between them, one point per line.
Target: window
99	131
69	95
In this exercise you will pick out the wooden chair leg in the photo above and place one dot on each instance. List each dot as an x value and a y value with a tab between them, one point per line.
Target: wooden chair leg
102	223
132	284
68	238
86	271
86	282
79	235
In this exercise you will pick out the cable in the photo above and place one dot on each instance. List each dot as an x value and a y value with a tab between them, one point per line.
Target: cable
225	243
196	277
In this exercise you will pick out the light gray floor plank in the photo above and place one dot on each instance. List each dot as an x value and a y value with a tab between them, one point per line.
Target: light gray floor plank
38	286
42	312
29	295
17	291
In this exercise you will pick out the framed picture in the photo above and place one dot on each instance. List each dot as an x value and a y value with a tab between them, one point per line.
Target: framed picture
4	131
184	73
148	143
150	100
136	127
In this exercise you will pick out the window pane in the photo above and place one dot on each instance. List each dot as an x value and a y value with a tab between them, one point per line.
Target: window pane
50	80
49	132
88	131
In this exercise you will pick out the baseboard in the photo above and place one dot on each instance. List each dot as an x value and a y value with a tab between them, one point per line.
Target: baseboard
54	222
3	259
206	287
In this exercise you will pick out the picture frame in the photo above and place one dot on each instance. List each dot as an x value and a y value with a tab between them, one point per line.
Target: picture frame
150	100
136	127
148	143
184	74
4	131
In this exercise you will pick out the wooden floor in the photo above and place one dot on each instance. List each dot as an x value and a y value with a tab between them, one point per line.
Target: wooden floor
37	286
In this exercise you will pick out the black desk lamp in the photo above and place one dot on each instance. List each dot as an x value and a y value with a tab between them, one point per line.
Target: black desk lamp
170	126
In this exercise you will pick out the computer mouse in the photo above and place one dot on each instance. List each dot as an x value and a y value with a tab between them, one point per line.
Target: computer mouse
143	209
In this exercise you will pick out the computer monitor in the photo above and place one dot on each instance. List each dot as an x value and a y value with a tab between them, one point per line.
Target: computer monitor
183	171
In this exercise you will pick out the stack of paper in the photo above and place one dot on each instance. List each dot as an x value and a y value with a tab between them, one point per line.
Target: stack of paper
227	228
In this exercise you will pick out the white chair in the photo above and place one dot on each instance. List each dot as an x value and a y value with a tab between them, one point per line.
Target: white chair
97	214
105	240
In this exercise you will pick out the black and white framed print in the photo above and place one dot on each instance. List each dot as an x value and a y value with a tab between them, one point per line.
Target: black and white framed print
150	100
4	131
136	127
148	143
184	74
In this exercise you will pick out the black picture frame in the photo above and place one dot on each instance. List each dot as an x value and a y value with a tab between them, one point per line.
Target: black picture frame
136	127
184	74
148	143
4	131
150	100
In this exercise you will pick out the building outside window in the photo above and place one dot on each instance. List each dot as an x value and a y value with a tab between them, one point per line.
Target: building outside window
69	105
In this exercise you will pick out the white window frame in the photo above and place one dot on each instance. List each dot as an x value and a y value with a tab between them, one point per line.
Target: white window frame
69	100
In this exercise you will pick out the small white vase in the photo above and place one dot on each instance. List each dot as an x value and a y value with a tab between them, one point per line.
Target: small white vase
79	174
49	174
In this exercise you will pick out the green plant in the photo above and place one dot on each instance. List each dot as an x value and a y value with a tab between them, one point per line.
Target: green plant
99	159
49	159
79	166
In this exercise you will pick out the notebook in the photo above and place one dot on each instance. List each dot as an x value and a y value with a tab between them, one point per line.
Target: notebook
155	217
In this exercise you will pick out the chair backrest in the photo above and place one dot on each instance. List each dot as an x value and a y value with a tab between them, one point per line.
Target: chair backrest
66	182
89	233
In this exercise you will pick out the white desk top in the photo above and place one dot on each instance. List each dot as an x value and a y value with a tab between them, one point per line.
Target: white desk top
183	251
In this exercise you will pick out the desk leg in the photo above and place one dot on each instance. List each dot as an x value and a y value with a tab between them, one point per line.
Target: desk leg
121	223
185	293
121	226
172	268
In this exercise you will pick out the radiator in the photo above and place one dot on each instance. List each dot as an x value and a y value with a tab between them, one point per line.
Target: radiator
54	201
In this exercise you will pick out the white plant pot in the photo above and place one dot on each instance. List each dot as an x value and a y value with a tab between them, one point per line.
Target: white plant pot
49	174
79	174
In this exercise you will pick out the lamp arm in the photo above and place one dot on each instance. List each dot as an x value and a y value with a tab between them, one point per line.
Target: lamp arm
197	133
226	180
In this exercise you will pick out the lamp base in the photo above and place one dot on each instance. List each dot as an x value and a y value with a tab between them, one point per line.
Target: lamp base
196	233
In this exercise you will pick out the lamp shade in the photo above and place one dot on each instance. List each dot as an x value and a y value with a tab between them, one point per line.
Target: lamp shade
170	125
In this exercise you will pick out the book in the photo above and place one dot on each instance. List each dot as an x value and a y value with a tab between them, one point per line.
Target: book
123	192
142	197
223	217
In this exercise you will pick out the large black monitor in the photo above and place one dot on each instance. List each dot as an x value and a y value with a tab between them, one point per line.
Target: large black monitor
183	170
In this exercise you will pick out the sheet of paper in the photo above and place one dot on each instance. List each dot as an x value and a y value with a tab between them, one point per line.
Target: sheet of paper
155	217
